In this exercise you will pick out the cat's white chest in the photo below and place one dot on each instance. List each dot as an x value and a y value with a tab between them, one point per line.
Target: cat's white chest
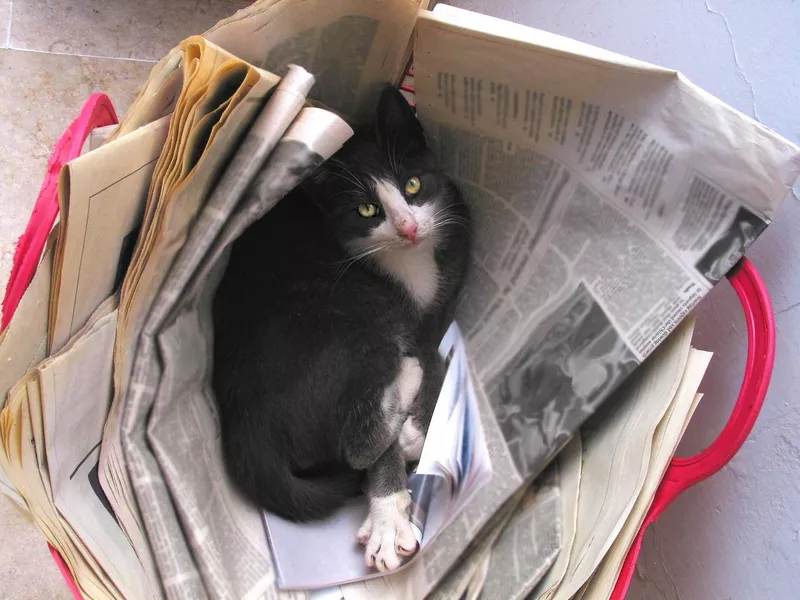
415	268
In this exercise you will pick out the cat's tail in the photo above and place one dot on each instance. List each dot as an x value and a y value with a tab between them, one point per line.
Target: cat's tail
273	487
310	499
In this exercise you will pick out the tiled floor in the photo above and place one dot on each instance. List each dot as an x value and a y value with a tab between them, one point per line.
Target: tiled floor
52	56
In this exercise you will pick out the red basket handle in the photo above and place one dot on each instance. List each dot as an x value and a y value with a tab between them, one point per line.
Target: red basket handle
97	112
683	473
65	573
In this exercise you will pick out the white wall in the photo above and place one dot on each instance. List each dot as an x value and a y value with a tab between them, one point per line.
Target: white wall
737	535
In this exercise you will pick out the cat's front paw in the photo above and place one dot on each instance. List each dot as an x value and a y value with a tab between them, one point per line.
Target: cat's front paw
387	533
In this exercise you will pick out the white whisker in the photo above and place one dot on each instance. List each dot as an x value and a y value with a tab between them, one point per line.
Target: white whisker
442	224
347	174
363	251
354	260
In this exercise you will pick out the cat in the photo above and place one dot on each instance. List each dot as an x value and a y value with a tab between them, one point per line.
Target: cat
327	323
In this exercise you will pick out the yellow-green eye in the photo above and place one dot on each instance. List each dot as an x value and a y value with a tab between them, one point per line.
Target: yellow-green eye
367	210
413	185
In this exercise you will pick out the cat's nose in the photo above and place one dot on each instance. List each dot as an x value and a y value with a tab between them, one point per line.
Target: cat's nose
409	231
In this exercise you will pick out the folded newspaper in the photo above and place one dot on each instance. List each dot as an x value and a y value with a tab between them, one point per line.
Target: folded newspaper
622	451
608	476
609	195
453	465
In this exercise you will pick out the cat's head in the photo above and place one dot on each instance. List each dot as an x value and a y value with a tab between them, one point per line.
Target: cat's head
383	189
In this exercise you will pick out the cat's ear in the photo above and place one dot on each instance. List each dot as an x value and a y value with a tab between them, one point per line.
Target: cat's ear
397	127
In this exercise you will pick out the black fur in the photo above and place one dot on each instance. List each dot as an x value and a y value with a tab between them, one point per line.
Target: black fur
306	340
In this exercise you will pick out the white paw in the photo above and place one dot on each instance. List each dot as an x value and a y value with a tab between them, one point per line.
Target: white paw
387	533
409	381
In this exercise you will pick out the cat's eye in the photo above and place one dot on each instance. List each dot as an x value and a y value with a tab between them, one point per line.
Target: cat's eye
413	186
367	210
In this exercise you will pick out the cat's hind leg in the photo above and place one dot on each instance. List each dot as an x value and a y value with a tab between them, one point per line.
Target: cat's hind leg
415	428
371	435
375	423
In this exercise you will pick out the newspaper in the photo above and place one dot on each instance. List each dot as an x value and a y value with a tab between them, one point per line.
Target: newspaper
611	196
97	137
530	543
74	410
150	450
478	580
217	90
458	581
570	466
158	96
617	450
102	209
454	463
532	547
169	441
628	444
23	344
101	201
612	476
665	442
226	537
235	112
350	46
54	473
220	98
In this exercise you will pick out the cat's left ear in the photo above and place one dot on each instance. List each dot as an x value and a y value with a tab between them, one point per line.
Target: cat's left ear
397	126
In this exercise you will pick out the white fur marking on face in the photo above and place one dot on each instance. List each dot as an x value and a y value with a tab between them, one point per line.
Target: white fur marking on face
387	532
412	265
398	212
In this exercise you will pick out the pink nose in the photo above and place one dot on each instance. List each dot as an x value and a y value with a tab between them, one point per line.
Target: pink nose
409	231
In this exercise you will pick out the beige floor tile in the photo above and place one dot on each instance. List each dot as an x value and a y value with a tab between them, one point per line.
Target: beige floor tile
144	29
41	94
27	571
5	21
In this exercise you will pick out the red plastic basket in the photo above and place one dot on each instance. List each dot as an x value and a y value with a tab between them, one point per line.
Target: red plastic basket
682	472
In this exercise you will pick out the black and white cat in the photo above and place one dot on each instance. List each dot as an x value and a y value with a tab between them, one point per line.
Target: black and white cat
327	323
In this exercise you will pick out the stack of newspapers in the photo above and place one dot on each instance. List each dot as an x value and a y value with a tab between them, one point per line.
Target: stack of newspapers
609	197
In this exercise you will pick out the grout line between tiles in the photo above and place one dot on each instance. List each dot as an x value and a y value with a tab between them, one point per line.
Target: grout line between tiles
142	60
10	20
